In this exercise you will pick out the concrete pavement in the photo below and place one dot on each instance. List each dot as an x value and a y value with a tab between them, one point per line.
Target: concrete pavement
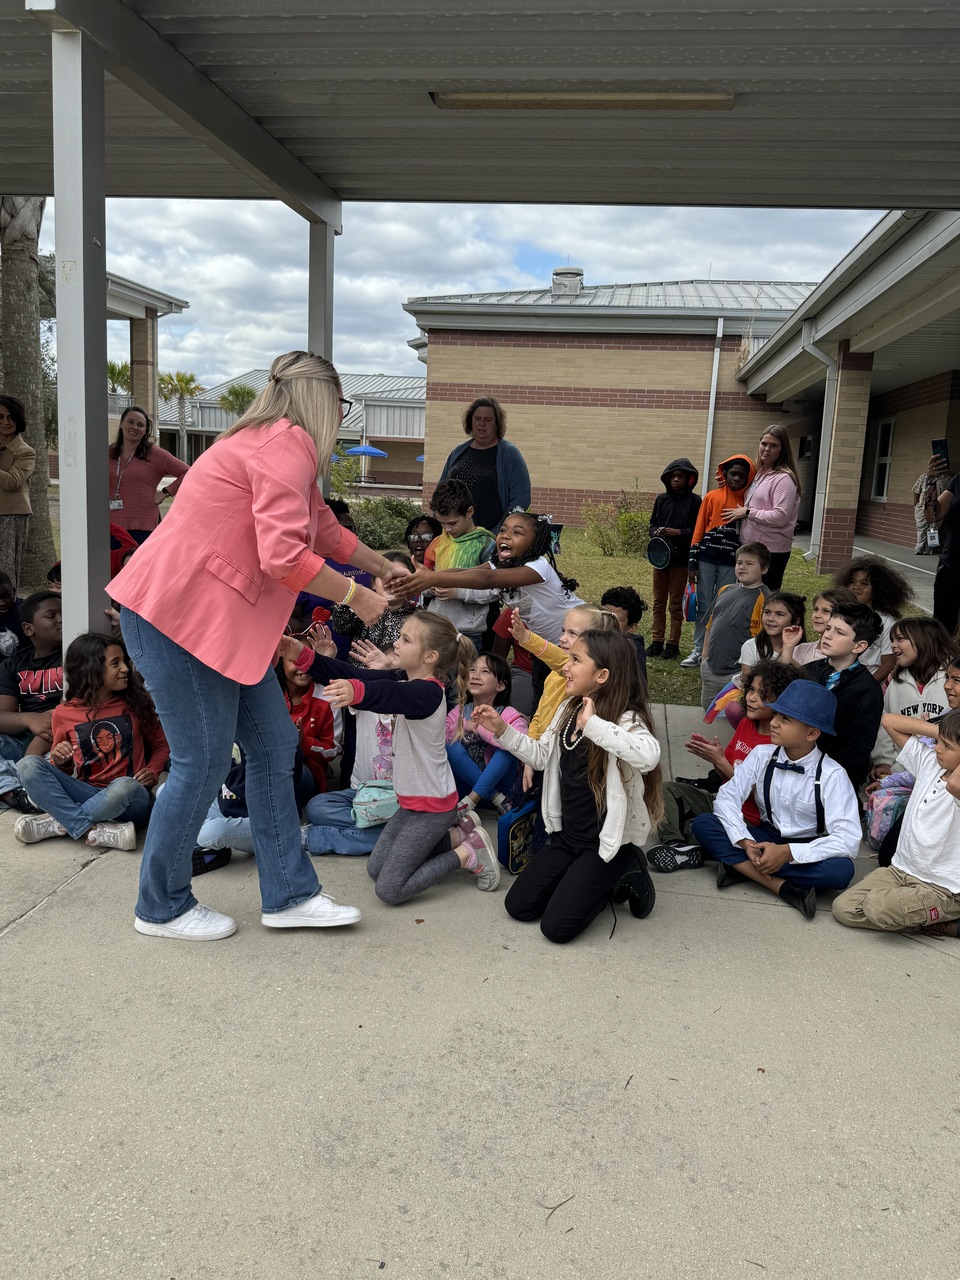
722	1090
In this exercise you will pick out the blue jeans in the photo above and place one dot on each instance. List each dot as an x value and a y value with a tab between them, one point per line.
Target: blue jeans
710	833
220	832
469	776
332	828
76	804
203	713
710	578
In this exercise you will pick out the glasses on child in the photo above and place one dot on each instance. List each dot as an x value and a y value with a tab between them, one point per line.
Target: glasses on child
420	537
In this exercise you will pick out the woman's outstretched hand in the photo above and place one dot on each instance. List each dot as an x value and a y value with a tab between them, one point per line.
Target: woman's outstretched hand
368	605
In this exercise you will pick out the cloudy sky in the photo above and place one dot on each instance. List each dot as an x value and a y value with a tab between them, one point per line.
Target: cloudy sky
242	265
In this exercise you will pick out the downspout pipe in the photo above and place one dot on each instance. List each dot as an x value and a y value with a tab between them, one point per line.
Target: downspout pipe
712	407
826	438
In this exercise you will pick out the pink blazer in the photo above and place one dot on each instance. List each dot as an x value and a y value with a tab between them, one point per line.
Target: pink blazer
249	529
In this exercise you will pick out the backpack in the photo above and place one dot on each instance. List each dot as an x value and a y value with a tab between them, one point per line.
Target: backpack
885	806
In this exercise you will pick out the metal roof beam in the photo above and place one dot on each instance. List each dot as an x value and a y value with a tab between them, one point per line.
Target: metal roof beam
152	68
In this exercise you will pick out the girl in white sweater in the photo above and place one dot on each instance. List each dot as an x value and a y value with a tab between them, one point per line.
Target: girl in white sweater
922	650
601	790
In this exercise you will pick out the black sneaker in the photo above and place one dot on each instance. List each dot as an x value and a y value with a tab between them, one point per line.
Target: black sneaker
18	799
675	856
636	888
656	649
205	860
671	651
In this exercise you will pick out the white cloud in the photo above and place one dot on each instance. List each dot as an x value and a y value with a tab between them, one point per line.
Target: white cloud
242	265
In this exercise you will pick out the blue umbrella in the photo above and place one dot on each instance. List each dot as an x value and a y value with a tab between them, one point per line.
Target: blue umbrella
421	457
366	451
335	457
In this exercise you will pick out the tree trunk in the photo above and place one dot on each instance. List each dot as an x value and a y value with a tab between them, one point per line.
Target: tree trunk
20	218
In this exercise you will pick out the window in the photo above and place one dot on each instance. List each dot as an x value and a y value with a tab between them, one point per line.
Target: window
804	448
881	467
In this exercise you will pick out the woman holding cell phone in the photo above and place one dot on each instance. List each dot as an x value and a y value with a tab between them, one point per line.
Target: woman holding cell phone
943	513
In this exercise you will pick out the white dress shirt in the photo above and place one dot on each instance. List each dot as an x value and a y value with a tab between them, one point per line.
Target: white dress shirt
794	808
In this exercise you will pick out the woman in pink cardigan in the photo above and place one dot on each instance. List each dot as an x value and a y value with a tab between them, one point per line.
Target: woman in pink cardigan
204	603
771	504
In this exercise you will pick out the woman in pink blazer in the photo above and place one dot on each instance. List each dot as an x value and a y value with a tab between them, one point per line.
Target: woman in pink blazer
204	602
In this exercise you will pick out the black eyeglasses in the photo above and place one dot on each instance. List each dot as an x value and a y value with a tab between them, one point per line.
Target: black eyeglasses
420	537
347	405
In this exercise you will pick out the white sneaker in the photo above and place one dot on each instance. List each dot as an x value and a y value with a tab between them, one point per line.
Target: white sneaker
112	835
199	924
319	912
489	876
37	826
693	660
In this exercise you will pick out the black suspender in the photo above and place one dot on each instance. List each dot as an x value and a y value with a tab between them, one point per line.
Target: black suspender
817	800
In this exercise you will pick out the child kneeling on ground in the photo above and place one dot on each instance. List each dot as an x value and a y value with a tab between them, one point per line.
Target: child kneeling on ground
798	790
107	754
920	890
601	788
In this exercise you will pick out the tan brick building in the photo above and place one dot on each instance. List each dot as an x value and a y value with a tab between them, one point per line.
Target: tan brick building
602	385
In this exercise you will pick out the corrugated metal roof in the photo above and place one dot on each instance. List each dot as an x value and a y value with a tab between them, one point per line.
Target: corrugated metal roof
356	386
666	295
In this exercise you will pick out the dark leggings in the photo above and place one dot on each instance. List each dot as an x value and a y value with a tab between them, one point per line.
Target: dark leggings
773	578
565	888
413	853
946	596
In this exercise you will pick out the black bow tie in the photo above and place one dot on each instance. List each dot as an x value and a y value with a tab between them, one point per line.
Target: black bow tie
788	764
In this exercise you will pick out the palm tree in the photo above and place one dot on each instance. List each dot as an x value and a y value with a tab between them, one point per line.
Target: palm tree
118	376
181	387
20	218
238	398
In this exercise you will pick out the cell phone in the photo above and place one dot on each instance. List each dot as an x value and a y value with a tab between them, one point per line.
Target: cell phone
940	447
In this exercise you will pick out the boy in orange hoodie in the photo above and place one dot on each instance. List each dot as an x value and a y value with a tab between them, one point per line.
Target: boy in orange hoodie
713	552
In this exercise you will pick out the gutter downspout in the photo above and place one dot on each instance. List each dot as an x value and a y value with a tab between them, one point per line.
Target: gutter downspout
711	407
826	438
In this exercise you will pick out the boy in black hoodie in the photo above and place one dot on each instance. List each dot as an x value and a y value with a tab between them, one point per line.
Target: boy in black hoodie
673	518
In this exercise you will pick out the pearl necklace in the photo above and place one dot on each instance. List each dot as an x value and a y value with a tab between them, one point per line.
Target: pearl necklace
569	740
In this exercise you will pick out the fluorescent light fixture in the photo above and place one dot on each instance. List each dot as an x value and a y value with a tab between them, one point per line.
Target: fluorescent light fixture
585	101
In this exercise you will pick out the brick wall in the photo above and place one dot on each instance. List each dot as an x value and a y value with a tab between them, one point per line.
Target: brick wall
591	414
888	521
836	543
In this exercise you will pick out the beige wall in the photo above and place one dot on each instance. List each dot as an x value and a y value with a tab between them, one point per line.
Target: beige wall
913	430
592	447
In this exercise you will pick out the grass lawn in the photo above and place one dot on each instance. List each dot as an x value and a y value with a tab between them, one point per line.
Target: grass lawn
669	682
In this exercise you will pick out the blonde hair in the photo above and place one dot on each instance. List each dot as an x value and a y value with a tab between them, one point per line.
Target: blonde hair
305	389
453	650
600	619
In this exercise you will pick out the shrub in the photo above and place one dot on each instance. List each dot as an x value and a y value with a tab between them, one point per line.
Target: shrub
344	475
618	528
381	521
633	532
600	526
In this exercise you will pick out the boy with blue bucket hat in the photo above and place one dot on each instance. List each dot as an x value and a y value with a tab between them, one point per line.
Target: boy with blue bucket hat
809	832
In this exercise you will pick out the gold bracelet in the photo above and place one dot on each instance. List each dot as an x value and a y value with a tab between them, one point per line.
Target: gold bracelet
351	592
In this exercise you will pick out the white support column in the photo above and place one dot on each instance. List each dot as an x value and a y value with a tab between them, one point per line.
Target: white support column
78	189
320	299
320	290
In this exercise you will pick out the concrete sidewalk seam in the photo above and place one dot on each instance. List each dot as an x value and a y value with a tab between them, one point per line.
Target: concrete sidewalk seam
97	855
